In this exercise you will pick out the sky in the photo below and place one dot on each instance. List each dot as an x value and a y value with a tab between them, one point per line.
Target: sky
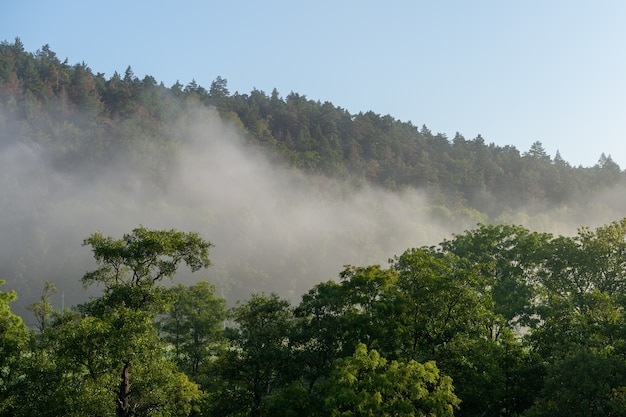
513	72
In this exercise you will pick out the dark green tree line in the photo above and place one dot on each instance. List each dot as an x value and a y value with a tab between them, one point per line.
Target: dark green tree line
84	117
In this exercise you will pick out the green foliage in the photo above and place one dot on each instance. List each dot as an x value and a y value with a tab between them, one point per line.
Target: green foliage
583	384
254	366
43	309
524	323
12	330
443	297
106	358
447	325
430	305
365	384
13	339
125	115
335	317
145	256
581	296
512	256
78	363
194	325
443	311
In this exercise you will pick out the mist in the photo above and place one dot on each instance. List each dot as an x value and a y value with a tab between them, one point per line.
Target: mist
274	228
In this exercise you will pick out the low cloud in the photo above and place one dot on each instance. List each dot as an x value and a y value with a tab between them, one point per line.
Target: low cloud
274	229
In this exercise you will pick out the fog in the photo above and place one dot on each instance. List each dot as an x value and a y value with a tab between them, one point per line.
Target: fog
274	229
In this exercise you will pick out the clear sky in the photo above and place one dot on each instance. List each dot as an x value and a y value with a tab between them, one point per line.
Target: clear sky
515	72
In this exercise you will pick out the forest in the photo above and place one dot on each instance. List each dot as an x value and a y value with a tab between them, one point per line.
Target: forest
84	119
497	321
492	319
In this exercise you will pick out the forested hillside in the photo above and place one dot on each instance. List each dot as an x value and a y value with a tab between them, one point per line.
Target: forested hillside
83	118
347	274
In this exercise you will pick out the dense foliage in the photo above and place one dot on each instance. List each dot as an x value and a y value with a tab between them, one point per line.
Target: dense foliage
498	321
83	118
495	321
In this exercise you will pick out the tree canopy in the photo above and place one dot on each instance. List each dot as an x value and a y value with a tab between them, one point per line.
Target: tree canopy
494	321
85	118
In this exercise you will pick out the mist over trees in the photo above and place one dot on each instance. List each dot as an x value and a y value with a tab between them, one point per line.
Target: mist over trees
85	119
472	314
81	152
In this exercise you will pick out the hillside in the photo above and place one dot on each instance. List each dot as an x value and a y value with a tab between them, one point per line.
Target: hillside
254	255
289	189
83	118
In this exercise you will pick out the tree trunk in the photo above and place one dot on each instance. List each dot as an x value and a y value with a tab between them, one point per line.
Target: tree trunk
123	400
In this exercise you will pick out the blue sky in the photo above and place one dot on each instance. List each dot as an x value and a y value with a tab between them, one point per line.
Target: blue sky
514	72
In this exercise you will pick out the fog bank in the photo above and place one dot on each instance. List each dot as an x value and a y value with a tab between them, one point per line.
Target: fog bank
274	229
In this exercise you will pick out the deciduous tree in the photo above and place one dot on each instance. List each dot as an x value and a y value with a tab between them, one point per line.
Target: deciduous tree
194	325
365	384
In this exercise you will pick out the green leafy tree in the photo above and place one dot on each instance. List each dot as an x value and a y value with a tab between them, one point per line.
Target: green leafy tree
78	367
365	384
106	358
219	88
130	269
258	360
608	172
43	308
441	298
582	291
580	337
194	325
441	309
334	317
14	338
513	256
583	384
144	257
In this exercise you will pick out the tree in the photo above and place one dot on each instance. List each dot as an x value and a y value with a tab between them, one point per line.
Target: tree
582	291
513	256
258	360
43	309
365	384
441	298
130	269
607	170
82	90
77	364
537	152
218	89
441	309
118	95
13	339
583	384
194	325
580	337
144	257
334	317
